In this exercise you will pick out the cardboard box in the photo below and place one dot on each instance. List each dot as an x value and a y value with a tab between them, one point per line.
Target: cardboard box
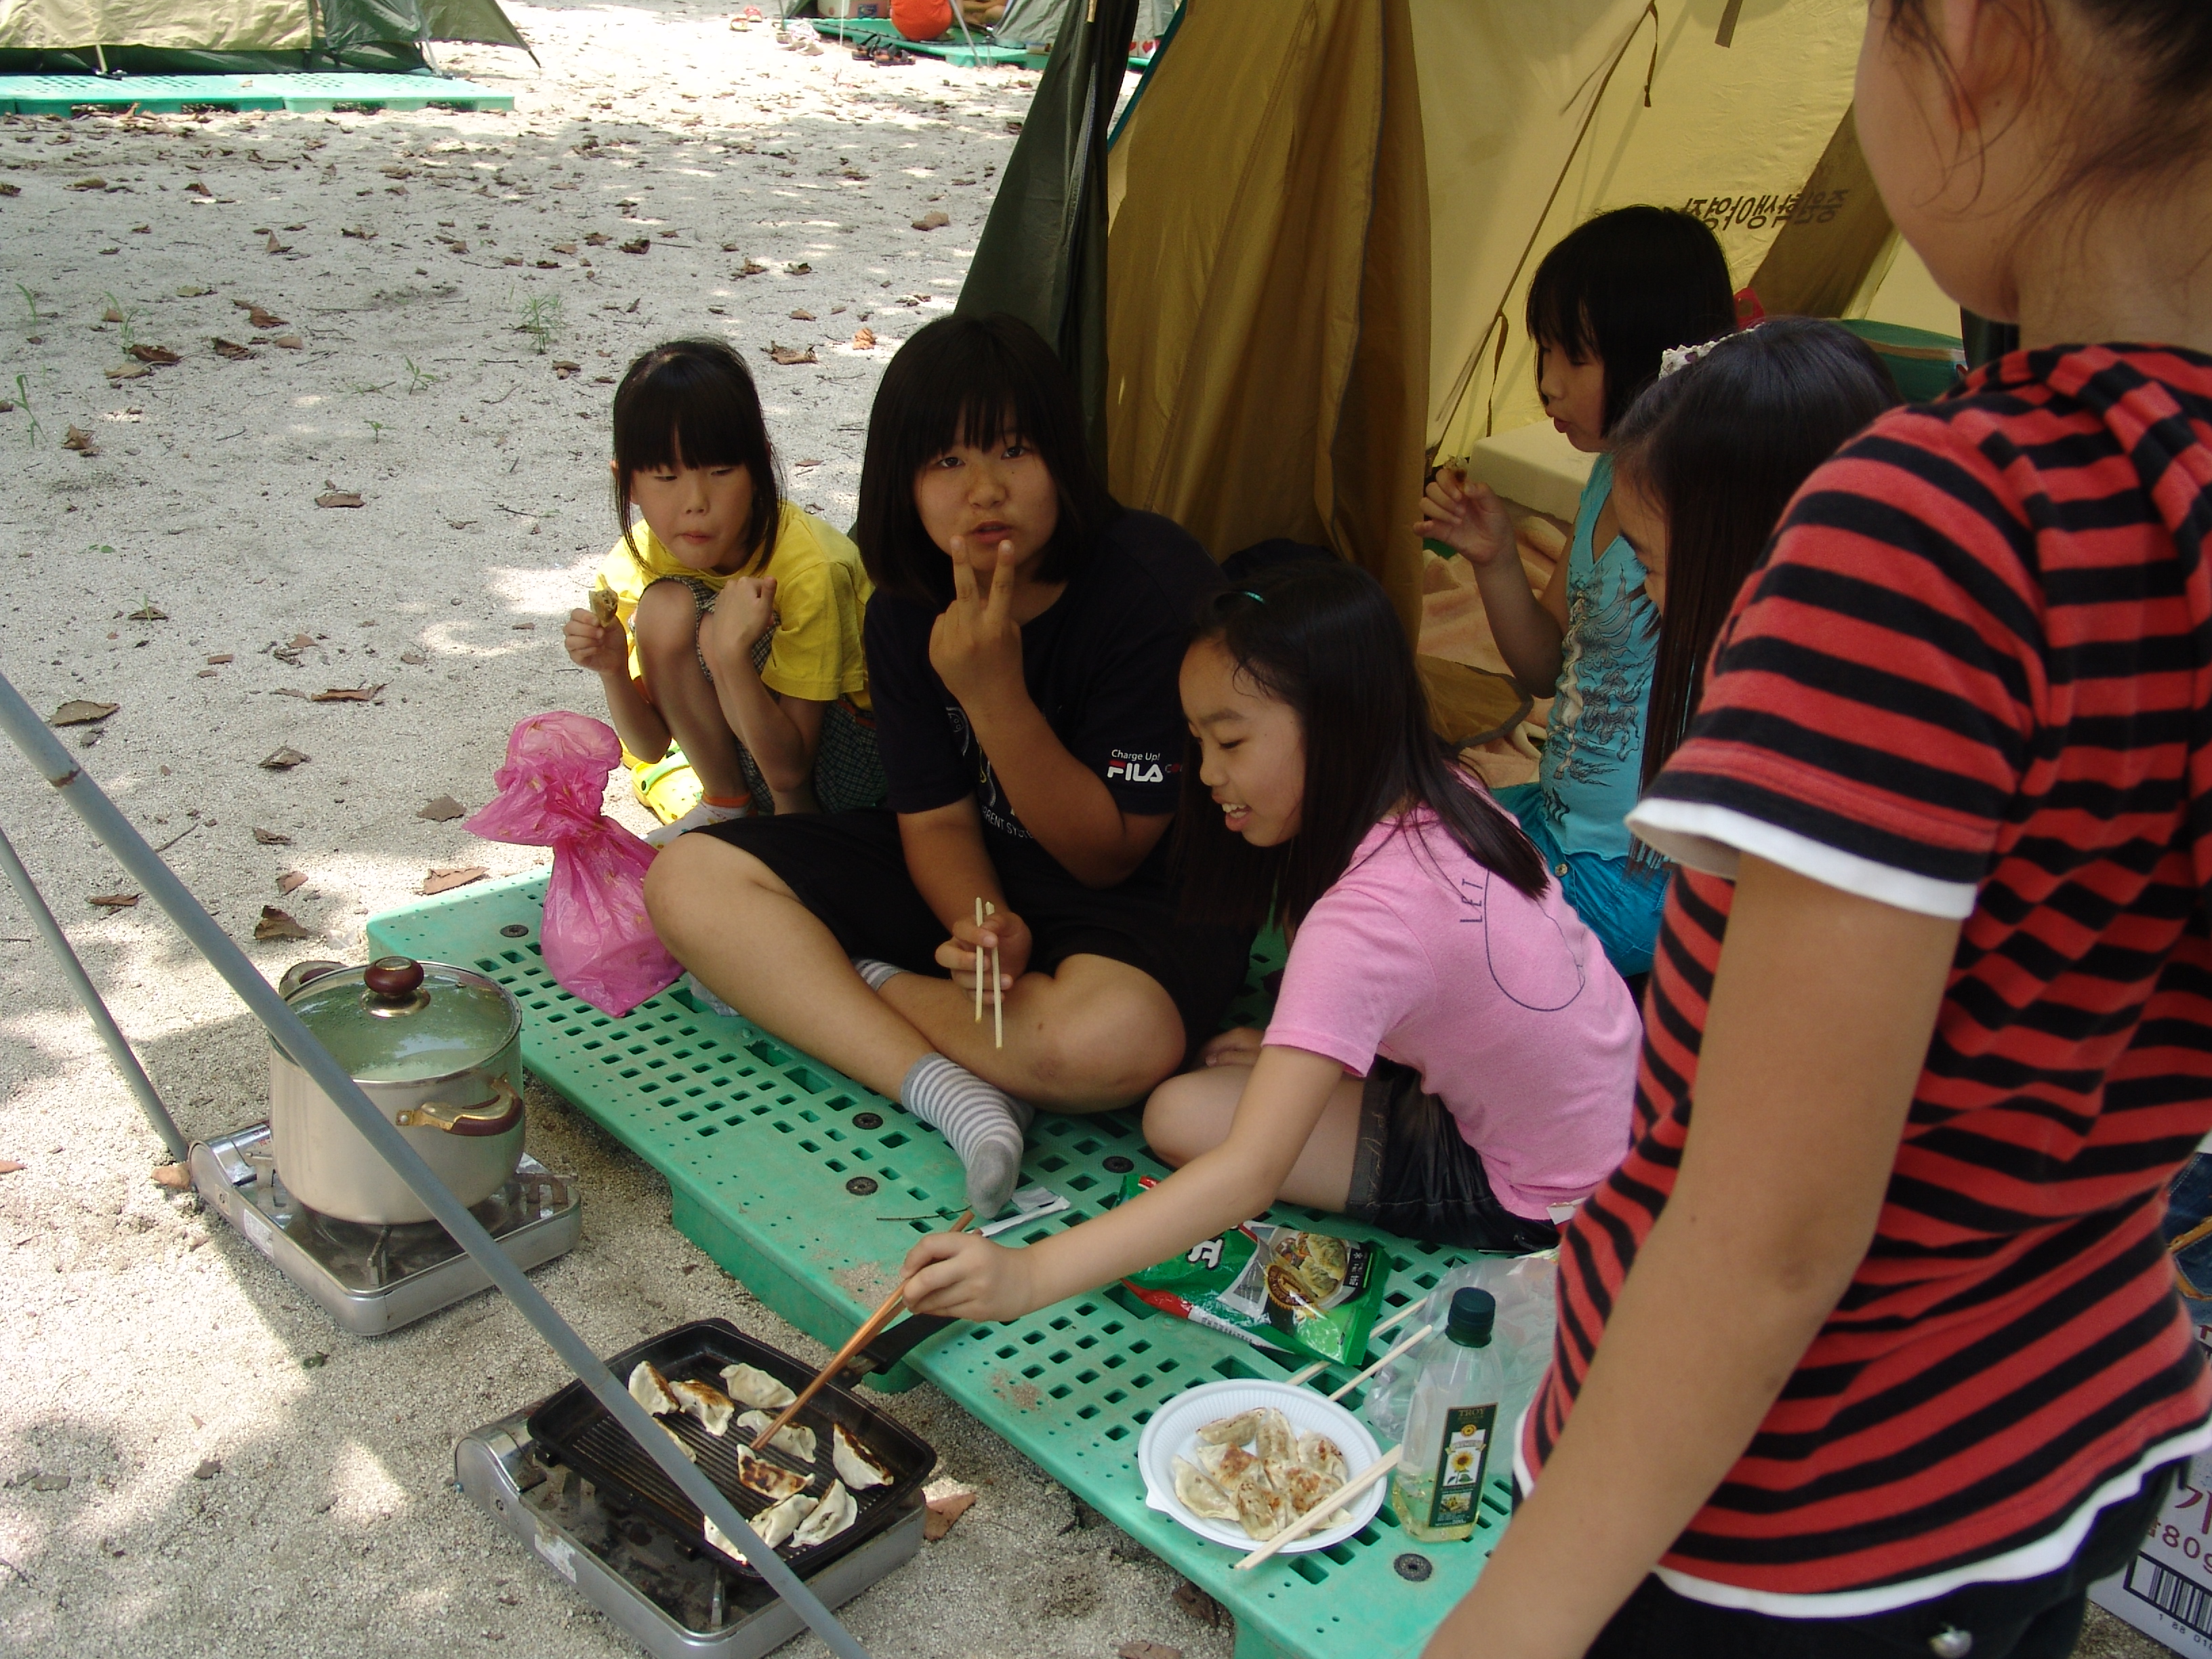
2165	1592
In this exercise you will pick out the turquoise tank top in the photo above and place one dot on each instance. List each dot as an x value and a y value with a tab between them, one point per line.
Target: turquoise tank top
1593	763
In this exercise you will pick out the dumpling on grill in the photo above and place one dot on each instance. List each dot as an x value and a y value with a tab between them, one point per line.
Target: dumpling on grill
771	1480
706	1402
792	1438
650	1388
778	1522
836	1512
678	1439
755	1386
856	1468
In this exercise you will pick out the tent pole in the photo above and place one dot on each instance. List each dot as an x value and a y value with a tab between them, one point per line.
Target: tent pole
144	866
119	1047
960	16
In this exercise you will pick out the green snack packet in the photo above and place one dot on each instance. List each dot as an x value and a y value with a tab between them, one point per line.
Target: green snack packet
1276	1287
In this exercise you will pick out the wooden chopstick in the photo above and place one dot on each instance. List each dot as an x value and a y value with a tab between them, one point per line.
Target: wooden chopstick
979	962
1426	1332
1396	1319
859	1340
998	991
1329	1505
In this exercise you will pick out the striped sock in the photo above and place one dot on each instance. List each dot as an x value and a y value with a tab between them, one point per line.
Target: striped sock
985	1126
877	973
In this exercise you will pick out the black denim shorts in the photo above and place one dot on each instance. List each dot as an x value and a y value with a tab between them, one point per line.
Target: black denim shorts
1414	1175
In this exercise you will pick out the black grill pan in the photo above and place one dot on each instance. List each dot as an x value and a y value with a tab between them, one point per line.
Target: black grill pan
575	1428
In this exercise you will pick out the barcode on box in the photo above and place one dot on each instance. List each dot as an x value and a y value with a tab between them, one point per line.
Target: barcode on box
2172	1594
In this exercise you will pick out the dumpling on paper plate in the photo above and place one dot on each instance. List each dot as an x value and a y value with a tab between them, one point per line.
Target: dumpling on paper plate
1196	1491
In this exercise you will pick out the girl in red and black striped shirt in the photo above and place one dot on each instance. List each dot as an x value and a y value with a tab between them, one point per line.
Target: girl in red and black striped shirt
1871	1345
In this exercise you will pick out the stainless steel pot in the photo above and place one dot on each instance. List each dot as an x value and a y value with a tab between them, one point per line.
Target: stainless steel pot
438	1049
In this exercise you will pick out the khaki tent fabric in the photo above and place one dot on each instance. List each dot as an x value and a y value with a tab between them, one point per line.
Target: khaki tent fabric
211	25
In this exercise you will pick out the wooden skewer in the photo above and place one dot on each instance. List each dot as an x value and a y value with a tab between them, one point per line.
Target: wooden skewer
1422	1335
1329	1505
978	963
998	990
859	1340
1396	1319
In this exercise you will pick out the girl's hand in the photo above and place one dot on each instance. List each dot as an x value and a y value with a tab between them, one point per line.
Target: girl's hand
1467	518
975	646
744	610
960	955
1237	1046
966	1277
602	650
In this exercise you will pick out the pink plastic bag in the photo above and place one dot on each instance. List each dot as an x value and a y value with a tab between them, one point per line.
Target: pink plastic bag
598	940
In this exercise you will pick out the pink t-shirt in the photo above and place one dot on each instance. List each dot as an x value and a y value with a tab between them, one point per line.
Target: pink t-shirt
1505	1005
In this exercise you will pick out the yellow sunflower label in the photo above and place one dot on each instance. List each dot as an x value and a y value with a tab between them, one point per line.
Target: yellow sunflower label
1468	1430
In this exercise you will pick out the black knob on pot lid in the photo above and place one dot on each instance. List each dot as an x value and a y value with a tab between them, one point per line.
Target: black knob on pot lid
395	978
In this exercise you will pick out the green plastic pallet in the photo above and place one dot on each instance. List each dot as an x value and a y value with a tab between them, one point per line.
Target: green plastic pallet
809	1188
166	94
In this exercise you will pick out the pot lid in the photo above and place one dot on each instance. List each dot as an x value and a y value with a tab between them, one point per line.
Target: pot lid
402	1021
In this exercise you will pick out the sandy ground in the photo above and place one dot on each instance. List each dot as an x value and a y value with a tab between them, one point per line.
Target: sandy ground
452	302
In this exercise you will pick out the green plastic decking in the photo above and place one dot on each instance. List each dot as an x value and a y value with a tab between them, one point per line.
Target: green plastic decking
59	94
762	1150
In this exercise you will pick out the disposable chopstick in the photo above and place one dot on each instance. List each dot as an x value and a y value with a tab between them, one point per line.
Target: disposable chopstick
1422	1335
1331	1504
998	990
857	1340
1396	1319
979	962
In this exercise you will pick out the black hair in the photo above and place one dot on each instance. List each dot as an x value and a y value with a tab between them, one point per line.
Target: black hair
1719	447
691	402
2122	134
1321	636
972	379
1625	286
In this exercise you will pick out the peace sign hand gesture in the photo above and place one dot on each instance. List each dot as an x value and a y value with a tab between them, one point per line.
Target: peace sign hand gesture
975	645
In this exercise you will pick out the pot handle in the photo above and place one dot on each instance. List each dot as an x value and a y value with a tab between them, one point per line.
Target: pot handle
501	1114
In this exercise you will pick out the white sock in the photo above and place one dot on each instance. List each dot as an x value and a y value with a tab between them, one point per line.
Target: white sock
875	974
984	1124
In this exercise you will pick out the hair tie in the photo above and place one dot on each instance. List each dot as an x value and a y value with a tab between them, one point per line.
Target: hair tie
1254	598
1675	359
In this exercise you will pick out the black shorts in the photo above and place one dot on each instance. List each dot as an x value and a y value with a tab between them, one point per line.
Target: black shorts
849	869
1414	1175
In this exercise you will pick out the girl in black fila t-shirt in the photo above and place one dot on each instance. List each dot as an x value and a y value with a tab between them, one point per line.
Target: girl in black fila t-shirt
1023	646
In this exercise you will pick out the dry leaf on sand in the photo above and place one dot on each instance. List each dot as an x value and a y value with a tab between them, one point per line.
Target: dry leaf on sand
81	441
596	239
8	1166
275	246
175	1177
638	245
271	837
290	881
787	355
196	188
338	498
114	901
148	612
1143	1649
443	810
802	316
278	924
284	760
564	247
110	315
231	348
441	881
259	316
346	694
89	183
304	641
413	658
864	339
127	371
157	355
78	712
220	658
943	1512
289	342
193	290
932	220
561	371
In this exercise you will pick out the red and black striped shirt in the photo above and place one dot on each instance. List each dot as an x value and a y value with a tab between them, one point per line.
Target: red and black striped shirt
1973	678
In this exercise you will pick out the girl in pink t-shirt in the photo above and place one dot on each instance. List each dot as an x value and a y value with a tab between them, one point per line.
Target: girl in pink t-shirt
1452	1057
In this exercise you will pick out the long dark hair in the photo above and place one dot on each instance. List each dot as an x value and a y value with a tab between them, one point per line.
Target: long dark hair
691	402
973	381
1321	636
1625	286
1719	447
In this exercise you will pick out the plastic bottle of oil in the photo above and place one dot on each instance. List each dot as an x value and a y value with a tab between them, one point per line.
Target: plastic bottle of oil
1437	1488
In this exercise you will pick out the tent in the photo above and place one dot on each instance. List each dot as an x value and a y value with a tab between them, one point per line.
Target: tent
238	36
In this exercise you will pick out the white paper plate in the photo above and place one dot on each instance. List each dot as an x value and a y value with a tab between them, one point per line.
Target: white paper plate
1174	1431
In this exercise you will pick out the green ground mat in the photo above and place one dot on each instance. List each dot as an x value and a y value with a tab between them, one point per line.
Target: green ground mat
167	94
807	1187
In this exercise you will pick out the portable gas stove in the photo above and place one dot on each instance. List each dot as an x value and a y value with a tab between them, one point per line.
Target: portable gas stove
375	1279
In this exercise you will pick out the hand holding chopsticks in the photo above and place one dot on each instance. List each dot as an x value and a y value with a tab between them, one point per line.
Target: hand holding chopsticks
985	908
859	1340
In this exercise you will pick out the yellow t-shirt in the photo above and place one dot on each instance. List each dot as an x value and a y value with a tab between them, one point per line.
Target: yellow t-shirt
822	592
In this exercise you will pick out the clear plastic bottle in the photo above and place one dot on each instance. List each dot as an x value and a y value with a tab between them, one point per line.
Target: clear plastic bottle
1437	1488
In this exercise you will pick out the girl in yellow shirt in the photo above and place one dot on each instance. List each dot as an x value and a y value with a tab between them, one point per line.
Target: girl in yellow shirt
737	626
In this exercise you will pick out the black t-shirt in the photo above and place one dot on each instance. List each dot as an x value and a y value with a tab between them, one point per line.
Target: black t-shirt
1100	665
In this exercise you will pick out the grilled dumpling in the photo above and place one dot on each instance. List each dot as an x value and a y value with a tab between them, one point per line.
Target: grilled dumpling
678	1439
650	1388
755	1386
1199	1494
855	1468
779	1520
1320	1454
706	1402
1235	1431
771	1480
836	1512
799	1442
1274	1441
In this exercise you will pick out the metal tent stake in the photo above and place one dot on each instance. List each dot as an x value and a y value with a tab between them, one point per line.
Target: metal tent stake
144	866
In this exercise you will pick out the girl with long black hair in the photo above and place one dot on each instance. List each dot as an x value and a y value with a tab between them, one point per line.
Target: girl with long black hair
1450	1056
